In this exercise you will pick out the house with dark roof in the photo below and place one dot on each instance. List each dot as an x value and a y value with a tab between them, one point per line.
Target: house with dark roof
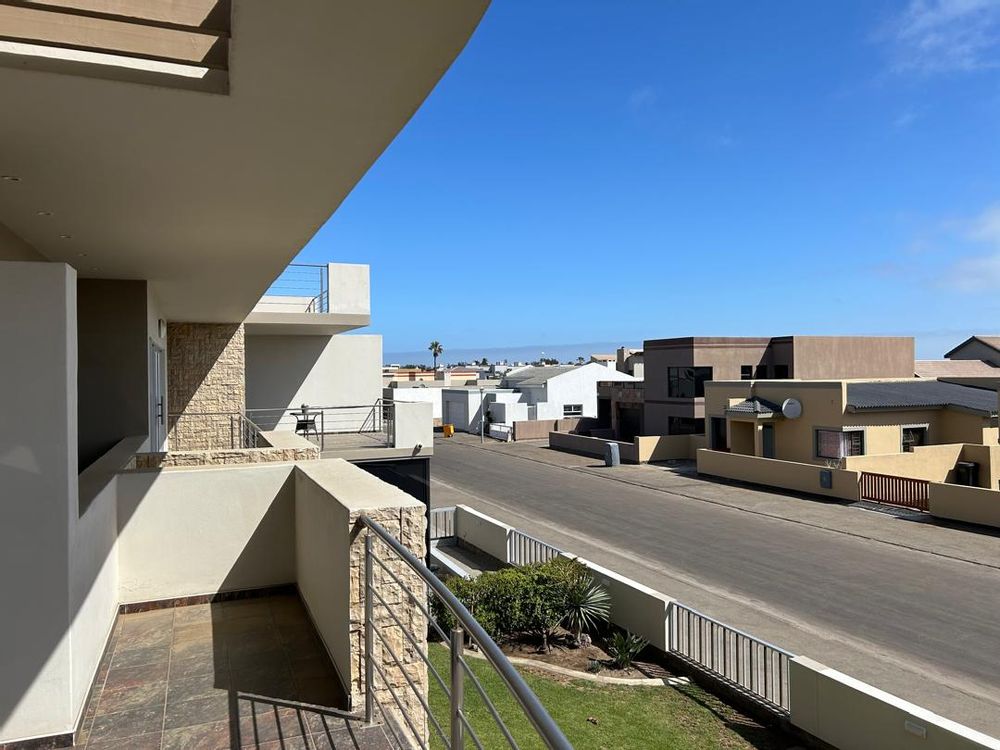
919	428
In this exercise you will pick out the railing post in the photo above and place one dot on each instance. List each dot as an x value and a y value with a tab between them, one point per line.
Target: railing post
369	630
457	689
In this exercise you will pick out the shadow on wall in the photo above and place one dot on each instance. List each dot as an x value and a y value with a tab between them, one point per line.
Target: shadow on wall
193	350
273	379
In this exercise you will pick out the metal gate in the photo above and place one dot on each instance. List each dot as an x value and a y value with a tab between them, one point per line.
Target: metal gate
903	491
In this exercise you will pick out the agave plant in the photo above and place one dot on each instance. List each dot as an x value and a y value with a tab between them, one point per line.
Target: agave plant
588	606
624	647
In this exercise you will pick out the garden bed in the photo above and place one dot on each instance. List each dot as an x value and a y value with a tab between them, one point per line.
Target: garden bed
562	653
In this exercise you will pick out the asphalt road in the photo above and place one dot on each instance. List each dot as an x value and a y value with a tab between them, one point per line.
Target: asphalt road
920	625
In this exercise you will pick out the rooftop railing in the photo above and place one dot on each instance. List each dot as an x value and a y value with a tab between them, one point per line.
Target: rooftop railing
301	287
320	423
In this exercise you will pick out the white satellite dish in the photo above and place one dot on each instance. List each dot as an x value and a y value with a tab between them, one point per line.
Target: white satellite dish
791	408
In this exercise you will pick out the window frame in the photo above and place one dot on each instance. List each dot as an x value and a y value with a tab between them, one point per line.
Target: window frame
746	372
925	426
843	432
577	410
674	380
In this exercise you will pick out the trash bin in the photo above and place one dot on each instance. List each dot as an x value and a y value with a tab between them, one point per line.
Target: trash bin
448	430
612	454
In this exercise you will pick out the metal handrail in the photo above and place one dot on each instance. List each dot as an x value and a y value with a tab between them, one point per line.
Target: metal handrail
524	549
544	725
352	418
309	280
243	432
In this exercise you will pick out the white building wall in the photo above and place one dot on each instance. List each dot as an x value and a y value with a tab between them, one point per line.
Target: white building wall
288	371
579	386
38	488
428	395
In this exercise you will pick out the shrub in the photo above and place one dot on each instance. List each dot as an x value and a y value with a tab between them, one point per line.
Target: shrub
624	647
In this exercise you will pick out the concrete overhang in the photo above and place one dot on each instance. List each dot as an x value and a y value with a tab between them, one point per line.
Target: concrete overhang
302	324
208	196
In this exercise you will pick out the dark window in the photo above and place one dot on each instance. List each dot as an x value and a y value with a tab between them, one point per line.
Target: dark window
685	426
687	382
720	441
912	437
781	372
746	372
572	410
837	444
761	373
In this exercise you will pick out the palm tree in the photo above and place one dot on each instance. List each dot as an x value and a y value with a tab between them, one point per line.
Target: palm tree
435	349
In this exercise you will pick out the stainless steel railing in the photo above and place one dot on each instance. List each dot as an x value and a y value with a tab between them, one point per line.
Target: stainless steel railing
212	431
320	423
442	523
748	664
460	728
306	287
524	549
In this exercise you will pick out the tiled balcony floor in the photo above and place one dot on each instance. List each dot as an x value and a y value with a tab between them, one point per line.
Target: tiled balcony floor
250	673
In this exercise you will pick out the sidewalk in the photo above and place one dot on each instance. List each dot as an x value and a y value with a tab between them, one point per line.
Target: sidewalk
915	531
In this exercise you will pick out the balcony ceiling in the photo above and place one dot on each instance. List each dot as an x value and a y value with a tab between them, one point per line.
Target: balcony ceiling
210	195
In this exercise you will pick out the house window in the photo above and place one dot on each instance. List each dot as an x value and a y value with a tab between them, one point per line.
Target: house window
746	372
837	444
761	373
685	426
912	437
781	372
687	382
572	410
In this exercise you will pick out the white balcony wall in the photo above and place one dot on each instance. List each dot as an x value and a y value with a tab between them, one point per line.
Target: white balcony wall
200	531
38	489
414	425
350	289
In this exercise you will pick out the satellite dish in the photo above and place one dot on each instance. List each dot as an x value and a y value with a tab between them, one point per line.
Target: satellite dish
791	408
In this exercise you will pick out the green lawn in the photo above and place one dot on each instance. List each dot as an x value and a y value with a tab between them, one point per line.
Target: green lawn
627	717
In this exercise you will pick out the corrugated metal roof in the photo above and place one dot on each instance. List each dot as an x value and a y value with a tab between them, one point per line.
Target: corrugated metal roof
920	394
759	406
955	368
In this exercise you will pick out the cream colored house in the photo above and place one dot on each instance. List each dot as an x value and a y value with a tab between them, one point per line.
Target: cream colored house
162	164
916	428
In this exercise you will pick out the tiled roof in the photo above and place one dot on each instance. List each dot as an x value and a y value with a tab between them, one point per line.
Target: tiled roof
920	394
758	406
955	368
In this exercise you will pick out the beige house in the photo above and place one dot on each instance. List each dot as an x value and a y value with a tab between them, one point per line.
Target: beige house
162	165
916	428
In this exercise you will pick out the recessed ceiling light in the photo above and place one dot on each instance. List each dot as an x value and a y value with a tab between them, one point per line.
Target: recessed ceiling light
43	213
65	236
10	178
81	255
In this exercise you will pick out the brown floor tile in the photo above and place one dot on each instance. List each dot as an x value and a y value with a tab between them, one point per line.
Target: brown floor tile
197	686
157	634
258	656
195	630
197	613
273	724
290	743
197	666
274	681
144	695
358	737
197	711
198	648
246	608
214	736
319	691
138	620
261	624
312	666
137	657
126	724
127	677
142	742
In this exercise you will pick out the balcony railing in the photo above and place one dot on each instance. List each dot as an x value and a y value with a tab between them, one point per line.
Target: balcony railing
301	287
321	423
195	431
452	730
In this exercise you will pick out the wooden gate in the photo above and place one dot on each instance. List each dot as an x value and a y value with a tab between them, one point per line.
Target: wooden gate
904	491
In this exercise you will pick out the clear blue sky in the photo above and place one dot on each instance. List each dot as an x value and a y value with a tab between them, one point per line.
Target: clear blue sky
595	171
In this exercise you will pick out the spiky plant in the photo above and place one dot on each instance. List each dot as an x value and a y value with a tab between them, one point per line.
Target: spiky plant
588	606
624	647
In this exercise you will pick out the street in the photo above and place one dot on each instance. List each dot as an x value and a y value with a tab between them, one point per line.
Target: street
876	596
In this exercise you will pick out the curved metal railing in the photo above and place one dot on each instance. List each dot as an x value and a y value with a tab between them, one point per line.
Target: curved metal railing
466	625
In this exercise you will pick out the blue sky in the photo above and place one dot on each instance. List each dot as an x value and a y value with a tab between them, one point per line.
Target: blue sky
602	172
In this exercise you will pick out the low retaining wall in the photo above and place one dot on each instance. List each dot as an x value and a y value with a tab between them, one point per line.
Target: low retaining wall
482	532
933	463
589	446
233	457
773	473
667	447
852	715
969	504
538	429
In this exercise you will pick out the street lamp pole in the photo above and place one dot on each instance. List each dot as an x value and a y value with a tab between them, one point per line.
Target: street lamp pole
482	415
